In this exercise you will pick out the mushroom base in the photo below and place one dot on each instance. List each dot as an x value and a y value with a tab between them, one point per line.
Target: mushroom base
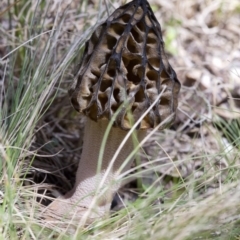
96	181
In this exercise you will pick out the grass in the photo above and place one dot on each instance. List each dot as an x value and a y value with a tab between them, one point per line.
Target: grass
194	167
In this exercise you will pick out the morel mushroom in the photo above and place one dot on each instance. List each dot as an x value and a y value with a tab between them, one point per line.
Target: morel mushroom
124	69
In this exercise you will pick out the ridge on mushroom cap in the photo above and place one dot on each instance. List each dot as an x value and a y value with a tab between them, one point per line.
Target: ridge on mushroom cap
124	61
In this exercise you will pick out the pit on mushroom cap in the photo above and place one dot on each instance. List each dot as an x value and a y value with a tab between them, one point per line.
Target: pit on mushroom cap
124	67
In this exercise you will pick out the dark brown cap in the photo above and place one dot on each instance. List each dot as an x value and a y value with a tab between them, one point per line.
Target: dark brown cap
124	62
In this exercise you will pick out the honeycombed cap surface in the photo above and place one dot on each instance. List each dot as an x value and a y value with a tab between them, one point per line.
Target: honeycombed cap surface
124	65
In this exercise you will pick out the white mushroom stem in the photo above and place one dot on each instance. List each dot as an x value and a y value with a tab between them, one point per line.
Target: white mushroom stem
88	177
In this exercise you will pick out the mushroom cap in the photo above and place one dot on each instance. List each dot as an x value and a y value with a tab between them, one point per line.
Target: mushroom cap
124	65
